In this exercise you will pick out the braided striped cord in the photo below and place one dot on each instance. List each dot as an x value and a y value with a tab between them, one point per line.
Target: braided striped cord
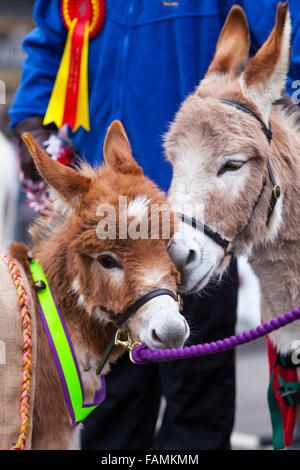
36	193
59	148
142	354
26	353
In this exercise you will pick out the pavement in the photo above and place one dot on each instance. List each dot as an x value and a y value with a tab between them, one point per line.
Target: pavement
252	415
252	418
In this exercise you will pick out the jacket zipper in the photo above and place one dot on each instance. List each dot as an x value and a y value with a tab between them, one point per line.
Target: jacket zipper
122	78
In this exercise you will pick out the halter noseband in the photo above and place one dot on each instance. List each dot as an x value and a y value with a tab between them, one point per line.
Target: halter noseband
118	319
216	237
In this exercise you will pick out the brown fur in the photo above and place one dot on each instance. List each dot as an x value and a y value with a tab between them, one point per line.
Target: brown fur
116	144
64	240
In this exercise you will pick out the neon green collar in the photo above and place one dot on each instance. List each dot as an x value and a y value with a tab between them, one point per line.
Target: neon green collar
62	350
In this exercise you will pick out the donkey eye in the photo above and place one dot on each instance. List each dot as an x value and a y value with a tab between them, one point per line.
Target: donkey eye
230	166
108	262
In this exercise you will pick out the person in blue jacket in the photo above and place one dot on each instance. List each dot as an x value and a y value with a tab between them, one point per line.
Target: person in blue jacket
146	59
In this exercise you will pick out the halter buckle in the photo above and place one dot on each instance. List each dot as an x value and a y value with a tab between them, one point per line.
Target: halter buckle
229	251
180	302
276	191
118	342
129	344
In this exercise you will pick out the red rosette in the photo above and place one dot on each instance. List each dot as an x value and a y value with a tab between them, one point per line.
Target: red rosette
92	11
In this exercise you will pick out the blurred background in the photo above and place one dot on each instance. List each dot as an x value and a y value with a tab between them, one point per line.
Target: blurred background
15	22
252	416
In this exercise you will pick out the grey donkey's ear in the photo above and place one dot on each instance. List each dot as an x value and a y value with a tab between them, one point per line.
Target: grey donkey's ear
263	80
233	45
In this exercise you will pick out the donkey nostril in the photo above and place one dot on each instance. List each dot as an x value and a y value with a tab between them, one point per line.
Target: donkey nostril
191	257
155	337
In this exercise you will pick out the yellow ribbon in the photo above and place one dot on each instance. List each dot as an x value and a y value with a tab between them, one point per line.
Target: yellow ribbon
57	103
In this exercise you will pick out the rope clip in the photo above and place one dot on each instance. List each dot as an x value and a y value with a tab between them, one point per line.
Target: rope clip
128	344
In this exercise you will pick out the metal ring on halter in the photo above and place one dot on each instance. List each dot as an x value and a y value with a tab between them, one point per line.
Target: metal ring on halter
129	344
120	318
276	191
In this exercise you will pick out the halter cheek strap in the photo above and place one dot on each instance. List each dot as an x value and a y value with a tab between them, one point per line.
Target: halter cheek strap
275	194
207	231
266	130
216	237
268	133
119	319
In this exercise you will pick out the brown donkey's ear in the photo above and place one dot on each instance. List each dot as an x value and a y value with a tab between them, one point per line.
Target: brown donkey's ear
69	185
233	45
117	151
264	77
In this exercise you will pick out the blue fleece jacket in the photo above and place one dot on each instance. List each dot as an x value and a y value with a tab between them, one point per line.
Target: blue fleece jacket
148	57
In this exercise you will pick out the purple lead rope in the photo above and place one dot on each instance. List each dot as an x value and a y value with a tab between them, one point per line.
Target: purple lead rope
142	354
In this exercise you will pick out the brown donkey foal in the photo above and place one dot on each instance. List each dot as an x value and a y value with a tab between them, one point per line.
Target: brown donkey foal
92	274
220	153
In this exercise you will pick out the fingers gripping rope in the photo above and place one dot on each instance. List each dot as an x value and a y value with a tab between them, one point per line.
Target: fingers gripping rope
142	354
27	351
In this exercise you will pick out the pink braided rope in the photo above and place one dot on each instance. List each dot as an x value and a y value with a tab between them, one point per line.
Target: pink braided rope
27	352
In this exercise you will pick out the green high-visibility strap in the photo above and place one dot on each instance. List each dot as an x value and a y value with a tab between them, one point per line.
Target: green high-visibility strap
276	418
275	412
63	352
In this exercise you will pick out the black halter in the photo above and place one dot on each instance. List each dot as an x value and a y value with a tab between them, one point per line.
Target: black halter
274	197
118	319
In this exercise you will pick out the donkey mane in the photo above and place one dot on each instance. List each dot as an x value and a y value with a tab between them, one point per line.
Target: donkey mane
290	111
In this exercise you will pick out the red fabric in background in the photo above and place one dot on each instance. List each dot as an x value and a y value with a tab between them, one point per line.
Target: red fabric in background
288	413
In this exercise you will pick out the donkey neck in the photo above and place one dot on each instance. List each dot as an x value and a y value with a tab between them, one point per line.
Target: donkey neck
278	274
277	262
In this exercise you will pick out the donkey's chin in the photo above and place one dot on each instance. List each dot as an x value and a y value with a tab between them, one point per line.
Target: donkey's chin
195	280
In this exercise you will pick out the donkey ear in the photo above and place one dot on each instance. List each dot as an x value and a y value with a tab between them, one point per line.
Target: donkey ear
117	151
233	45
264	77
66	182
